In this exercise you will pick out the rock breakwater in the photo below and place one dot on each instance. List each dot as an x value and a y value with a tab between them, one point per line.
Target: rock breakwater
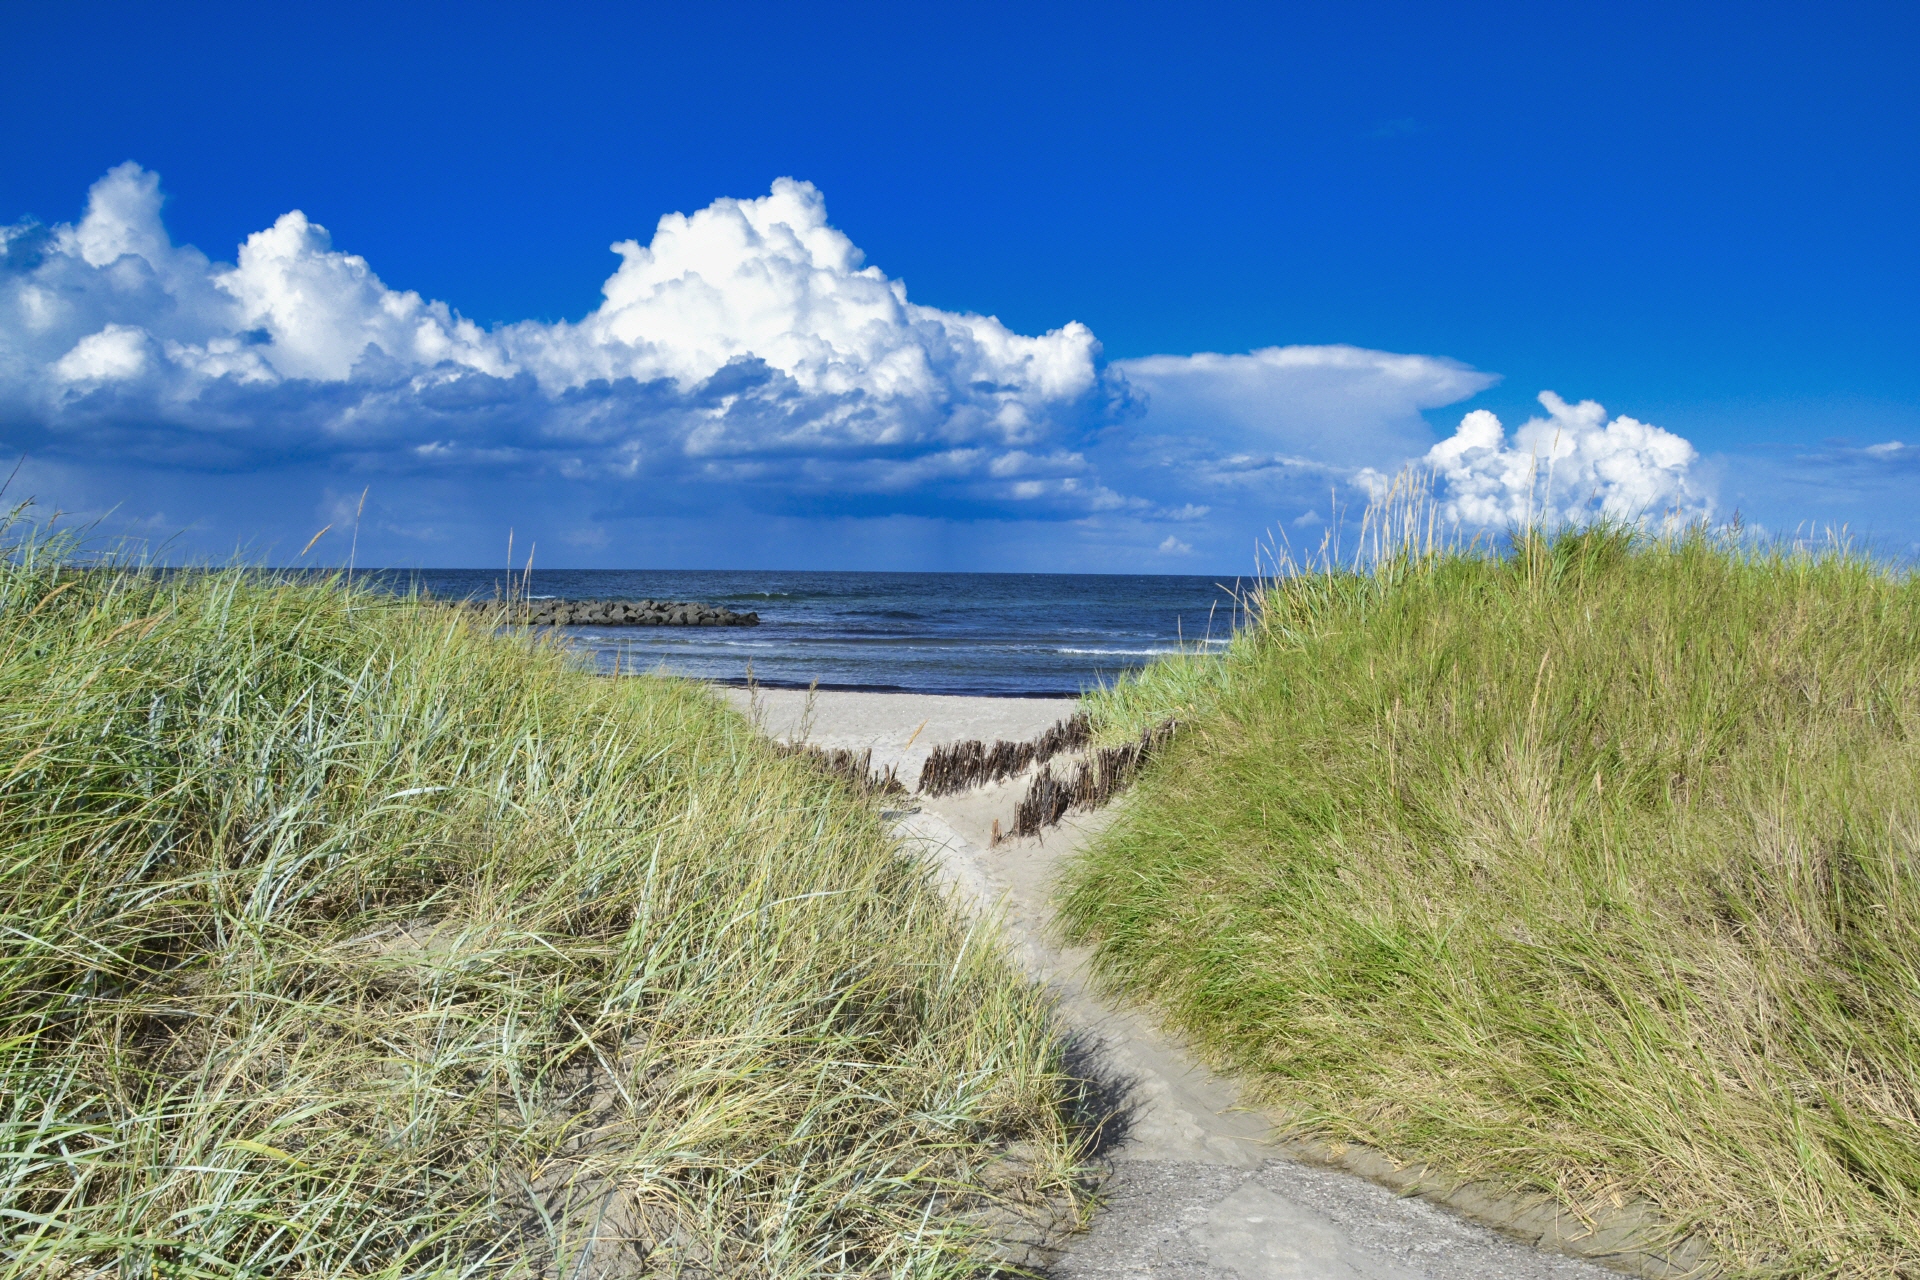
618	613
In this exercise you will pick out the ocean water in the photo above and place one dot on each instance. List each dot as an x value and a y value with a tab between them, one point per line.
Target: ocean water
1021	634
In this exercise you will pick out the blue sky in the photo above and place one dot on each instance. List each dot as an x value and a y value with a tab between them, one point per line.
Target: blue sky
1241	260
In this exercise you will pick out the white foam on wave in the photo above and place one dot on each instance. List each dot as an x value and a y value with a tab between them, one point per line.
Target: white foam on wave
1129	653
1149	653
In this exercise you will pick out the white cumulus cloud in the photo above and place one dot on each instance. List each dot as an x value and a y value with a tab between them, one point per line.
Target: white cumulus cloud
1572	465
769	281
114	354
320	310
748	331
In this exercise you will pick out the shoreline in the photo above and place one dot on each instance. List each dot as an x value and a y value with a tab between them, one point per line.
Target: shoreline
891	690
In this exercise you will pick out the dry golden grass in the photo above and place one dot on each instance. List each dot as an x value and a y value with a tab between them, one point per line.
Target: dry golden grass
344	938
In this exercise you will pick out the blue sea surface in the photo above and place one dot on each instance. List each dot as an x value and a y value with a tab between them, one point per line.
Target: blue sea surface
1018	634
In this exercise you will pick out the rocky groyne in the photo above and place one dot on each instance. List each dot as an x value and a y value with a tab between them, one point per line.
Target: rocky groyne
618	613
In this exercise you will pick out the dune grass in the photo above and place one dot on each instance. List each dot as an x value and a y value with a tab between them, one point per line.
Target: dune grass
1593	868
343	938
1179	686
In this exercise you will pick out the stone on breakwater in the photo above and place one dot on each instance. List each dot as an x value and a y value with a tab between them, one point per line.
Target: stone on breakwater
619	613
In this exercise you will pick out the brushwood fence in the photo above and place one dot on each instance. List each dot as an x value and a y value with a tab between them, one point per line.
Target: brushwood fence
961	766
1092	783
856	767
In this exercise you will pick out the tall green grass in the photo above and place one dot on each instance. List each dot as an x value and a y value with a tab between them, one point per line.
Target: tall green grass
1592	868
343	938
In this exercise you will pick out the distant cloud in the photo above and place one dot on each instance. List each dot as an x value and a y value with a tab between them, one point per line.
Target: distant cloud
1845	463
1569	466
1250	436
1329	409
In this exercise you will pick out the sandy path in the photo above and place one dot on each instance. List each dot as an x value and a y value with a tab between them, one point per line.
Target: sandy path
1200	1189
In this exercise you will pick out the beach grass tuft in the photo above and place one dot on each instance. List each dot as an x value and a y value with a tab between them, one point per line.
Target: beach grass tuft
345	937
1590	866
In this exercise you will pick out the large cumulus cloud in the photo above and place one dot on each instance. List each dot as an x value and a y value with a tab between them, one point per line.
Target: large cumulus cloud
746	344
1568	467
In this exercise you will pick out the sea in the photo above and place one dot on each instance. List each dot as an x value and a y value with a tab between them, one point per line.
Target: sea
1005	634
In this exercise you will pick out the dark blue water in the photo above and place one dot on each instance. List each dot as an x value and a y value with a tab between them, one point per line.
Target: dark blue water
1026	634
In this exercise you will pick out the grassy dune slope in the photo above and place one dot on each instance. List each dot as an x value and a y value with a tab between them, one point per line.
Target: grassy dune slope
341	938
1593	869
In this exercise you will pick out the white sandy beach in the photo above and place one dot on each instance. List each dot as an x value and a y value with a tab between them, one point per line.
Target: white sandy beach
900	728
